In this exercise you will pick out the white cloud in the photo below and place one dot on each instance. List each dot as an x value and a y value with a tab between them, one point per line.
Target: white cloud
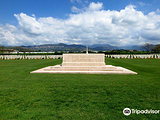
78	1
86	1
158	10
143	4
95	6
29	24
75	9
91	26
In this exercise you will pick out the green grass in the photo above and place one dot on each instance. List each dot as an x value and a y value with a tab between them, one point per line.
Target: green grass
78	96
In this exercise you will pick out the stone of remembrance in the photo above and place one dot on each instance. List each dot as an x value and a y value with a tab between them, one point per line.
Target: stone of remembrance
86	64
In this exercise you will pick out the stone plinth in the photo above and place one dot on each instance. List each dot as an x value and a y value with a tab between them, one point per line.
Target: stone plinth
86	64
83	60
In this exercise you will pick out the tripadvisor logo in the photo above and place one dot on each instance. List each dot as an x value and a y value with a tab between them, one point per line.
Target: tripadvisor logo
126	111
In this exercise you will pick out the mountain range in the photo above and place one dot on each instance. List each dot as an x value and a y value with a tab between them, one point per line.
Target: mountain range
75	47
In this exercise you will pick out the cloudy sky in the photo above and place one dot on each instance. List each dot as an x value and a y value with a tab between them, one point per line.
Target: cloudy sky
115	22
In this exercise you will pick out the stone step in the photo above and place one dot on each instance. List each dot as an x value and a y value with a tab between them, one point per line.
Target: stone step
83	64
81	69
84	67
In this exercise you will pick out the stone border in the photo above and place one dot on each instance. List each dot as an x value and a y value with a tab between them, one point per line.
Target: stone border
119	70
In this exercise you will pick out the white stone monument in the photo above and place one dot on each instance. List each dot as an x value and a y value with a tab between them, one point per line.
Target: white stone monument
84	63
83	60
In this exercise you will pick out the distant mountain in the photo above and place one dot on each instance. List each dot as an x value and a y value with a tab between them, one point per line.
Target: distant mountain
75	47
99	45
102	47
134	47
57	47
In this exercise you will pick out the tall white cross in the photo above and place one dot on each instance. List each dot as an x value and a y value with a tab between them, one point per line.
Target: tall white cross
86	49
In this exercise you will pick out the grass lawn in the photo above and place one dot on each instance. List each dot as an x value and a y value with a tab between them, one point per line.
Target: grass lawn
78	96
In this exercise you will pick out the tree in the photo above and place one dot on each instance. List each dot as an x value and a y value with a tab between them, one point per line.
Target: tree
135	50
2	48
156	49
147	47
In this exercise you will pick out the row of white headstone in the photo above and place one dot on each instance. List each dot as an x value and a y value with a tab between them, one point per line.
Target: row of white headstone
129	56
144	56
8	57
